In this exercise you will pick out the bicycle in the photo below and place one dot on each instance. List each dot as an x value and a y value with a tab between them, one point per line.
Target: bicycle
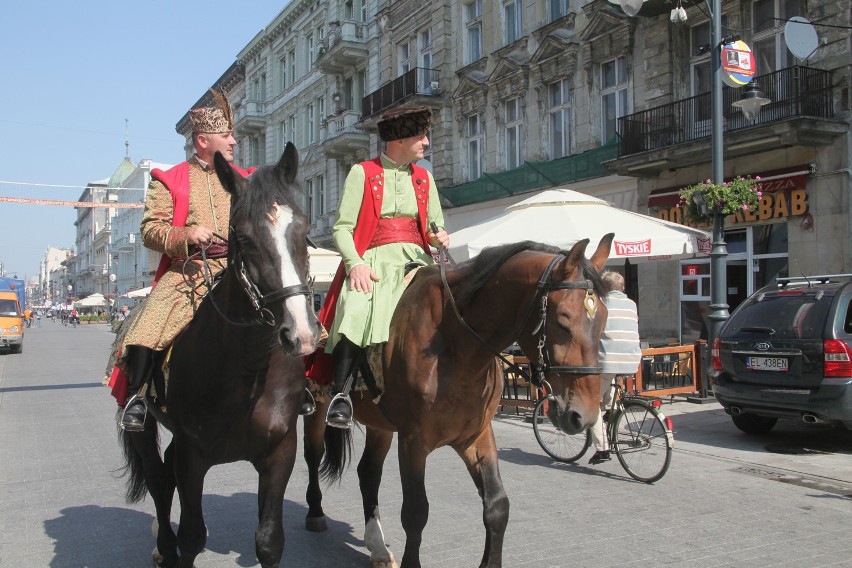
639	434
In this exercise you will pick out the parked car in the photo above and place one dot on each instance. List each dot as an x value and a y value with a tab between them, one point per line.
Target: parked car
11	321
785	353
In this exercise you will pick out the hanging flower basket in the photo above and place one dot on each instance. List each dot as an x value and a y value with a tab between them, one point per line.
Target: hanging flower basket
698	202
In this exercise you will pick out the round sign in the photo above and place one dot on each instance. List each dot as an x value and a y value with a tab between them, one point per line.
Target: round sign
737	64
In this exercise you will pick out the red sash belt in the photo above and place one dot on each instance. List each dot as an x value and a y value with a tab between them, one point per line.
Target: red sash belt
396	230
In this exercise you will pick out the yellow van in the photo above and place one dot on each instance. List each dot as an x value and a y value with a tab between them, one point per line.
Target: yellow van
11	322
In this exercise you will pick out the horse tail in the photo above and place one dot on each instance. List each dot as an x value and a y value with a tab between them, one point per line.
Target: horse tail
134	446
338	450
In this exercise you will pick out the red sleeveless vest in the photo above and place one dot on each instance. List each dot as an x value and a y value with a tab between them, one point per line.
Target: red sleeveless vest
318	365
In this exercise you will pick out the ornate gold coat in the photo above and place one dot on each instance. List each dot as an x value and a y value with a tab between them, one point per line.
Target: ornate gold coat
174	299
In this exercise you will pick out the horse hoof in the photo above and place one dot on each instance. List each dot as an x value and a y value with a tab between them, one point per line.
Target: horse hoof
157	558
316	524
384	563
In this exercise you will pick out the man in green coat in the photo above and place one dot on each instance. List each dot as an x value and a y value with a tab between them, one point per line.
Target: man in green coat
386	209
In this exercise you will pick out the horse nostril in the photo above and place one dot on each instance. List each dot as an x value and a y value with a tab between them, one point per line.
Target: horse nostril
572	422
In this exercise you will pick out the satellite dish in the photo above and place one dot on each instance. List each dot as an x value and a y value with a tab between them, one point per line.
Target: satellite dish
801	37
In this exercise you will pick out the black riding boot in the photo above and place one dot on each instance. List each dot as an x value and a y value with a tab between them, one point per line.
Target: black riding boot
140	363
346	357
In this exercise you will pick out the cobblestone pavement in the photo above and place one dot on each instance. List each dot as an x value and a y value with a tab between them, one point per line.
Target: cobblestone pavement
726	501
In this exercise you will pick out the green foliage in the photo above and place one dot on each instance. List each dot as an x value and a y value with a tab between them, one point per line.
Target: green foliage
739	194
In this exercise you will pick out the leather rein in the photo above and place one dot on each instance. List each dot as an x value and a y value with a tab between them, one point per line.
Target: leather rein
543	288
258	299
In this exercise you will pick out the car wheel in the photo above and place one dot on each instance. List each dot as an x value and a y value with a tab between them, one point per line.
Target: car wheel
752	423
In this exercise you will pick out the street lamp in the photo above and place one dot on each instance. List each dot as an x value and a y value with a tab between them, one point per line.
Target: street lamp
750	105
751	101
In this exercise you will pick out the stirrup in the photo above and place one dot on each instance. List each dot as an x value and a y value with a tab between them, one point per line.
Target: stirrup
127	405
344	397
313	403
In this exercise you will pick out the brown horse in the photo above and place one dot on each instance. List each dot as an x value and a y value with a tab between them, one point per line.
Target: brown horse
442	383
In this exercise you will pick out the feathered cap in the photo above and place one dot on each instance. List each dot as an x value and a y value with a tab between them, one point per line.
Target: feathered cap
213	120
405	122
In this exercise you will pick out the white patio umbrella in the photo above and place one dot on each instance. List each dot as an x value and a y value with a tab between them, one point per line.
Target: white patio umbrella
561	217
140	293
92	301
324	263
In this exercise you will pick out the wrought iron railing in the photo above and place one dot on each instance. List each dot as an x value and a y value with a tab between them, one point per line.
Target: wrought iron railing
794	92
417	81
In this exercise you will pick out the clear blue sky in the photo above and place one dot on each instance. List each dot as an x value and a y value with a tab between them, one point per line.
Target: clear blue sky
74	71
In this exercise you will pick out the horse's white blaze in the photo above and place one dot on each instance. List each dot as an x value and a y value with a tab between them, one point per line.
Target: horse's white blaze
296	305
374	538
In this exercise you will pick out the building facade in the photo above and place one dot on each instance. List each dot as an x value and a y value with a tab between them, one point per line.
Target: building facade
553	93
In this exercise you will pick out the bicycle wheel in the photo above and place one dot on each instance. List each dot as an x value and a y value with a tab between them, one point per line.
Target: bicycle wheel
641	441
559	445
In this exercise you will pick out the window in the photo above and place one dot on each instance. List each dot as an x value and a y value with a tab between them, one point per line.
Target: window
613	96
321	109
559	98
768	45
282	74
355	10
282	137
512	20
558	8
473	23
291	128
513	133
310	123
475	146
319	195
309	200
426	56
405	55
291	58
311	50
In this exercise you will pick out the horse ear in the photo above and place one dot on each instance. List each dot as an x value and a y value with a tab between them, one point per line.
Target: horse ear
604	248
576	255
288	165
225	172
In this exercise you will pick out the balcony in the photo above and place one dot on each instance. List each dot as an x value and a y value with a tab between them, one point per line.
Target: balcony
125	243
678	134
344	49
342	137
419	86
250	117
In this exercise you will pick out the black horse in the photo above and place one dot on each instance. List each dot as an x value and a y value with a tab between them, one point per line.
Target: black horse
236	372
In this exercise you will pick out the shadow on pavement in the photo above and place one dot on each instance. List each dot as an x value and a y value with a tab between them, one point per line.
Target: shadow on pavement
106	537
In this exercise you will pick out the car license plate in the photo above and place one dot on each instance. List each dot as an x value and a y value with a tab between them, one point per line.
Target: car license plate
767	363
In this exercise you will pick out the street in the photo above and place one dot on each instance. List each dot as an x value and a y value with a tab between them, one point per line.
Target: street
782	499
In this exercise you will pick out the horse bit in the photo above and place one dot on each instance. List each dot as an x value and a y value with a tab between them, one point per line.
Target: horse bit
259	300
543	287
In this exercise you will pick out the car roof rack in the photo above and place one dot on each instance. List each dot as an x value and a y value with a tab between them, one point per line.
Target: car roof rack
818	278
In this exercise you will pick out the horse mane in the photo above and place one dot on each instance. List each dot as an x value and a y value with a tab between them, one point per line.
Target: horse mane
257	204
483	266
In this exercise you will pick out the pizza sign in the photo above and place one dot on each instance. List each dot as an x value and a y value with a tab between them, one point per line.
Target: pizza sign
738	66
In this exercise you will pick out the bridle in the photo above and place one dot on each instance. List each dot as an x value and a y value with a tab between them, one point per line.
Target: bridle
258	299
543	288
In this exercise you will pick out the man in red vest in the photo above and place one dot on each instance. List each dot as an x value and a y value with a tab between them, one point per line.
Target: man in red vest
383	223
184	207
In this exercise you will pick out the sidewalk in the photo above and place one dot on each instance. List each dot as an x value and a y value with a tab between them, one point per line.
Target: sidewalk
790	448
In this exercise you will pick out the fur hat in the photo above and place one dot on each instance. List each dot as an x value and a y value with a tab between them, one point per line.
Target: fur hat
404	123
213	120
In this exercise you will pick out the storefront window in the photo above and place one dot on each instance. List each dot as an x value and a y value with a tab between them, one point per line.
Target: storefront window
757	255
